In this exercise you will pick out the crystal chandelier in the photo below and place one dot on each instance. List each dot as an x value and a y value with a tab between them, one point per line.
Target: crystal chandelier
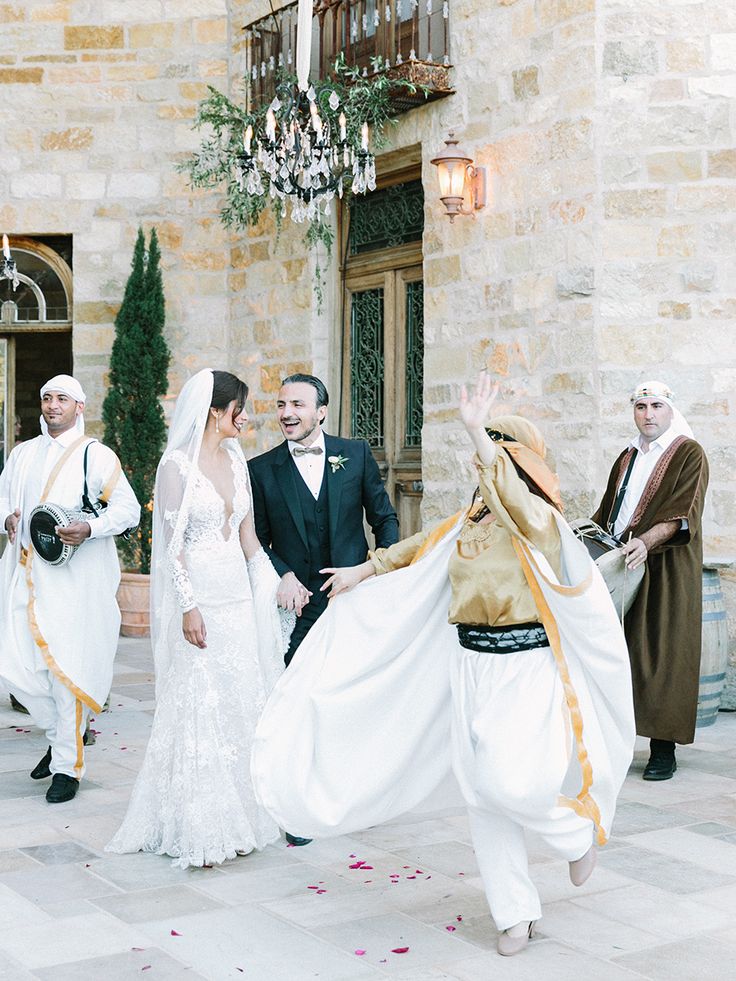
296	153
9	270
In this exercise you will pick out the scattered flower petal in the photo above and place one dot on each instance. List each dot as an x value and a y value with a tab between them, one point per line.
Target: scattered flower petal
399	950
321	892
419	872
411	877
450	929
175	934
459	919
146	967
359	952
137	948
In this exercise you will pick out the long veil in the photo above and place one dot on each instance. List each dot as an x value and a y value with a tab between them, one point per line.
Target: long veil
172	501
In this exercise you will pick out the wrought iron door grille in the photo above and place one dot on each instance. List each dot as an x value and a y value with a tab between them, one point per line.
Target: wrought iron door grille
414	363
367	367
387	218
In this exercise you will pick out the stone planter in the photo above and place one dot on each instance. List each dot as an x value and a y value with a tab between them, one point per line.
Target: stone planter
133	599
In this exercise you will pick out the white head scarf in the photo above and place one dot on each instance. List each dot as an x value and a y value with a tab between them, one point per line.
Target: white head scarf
67	386
658	391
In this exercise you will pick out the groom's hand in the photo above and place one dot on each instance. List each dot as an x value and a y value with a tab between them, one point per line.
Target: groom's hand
291	594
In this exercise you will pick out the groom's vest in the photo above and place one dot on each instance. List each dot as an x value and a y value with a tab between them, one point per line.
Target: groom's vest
317	521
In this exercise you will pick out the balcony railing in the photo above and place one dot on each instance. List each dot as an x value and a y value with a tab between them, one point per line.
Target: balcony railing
410	37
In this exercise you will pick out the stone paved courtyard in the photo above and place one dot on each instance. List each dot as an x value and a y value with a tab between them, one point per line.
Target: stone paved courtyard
660	905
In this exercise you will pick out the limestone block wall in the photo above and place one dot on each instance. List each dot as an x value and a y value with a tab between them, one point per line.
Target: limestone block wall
511	291
666	300
96	110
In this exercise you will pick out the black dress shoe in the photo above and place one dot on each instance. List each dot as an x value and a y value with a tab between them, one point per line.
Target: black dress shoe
662	763
41	769
63	788
294	840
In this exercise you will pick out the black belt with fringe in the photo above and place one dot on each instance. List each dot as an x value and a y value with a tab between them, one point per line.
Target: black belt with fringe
502	640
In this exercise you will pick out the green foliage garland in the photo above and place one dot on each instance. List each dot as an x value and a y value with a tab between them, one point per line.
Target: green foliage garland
132	413
217	162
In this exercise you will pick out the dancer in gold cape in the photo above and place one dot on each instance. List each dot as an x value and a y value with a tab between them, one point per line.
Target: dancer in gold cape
530	676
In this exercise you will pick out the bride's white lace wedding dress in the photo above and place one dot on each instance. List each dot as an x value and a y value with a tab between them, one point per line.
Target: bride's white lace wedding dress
193	798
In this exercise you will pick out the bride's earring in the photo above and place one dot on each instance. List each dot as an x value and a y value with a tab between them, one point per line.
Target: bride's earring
217	422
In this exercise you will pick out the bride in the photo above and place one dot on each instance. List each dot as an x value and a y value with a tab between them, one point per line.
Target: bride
217	640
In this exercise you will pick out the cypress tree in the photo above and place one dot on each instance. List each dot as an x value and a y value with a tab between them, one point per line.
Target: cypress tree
132	412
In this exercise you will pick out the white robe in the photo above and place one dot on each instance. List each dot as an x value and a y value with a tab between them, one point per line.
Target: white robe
357	731
66	614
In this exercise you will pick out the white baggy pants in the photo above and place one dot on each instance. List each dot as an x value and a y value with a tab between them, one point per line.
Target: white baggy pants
511	742
64	719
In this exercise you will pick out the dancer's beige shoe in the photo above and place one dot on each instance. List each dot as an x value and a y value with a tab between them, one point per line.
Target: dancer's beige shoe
581	868
515	939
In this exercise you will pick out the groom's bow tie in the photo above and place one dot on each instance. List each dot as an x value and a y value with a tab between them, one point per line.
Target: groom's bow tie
301	450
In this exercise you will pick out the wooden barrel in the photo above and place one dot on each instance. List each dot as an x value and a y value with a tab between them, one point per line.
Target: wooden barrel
714	657
133	600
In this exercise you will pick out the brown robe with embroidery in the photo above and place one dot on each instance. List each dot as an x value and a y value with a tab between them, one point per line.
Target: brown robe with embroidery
663	627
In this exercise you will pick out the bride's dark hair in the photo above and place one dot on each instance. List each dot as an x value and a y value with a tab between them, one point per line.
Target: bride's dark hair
225	388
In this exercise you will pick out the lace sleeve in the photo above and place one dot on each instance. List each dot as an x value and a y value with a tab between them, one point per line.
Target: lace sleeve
173	480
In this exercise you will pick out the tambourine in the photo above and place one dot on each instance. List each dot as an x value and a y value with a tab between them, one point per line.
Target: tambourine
43	522
605	550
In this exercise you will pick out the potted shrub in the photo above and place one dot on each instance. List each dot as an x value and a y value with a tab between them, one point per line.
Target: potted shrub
135	427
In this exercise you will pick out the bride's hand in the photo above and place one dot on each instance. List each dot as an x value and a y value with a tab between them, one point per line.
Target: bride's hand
475	409
345	578
194	629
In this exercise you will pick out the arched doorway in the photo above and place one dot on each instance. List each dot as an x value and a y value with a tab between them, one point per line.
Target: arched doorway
35	331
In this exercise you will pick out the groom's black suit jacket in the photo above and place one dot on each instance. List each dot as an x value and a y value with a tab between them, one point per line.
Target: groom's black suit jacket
355	487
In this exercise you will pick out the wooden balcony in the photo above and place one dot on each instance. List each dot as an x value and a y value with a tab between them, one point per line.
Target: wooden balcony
410	37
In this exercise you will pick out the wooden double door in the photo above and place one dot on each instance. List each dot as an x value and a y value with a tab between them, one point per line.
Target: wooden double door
383	357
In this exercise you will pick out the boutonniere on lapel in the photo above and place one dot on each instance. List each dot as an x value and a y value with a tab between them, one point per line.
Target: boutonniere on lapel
337	462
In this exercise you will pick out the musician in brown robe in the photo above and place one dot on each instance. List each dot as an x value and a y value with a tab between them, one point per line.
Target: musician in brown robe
654	504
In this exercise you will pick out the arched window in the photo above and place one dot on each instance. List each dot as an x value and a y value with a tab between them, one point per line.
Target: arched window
43	295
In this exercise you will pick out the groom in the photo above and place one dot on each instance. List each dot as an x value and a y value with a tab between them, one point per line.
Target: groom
309	495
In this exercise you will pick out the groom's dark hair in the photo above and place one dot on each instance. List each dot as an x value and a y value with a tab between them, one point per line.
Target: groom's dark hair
319	386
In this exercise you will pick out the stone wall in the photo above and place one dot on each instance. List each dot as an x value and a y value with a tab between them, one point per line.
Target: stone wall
96	111
666	295
605	252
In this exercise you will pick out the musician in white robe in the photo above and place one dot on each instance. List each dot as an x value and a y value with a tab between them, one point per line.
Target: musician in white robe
59	623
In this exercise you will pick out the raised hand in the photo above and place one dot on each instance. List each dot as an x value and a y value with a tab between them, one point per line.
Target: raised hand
475	408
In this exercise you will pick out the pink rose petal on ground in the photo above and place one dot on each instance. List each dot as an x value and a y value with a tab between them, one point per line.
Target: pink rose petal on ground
146	967
359	952
461	873
137	948
351	856
411	877
312	887
356	865
175	934
321	892
367	880
399	950
459	919
450	929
